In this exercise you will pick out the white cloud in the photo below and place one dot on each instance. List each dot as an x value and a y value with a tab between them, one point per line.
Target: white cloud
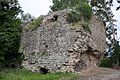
118	35
35	7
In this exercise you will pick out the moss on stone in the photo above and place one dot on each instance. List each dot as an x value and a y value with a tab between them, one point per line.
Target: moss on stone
33	53
52	23
43	53
85	25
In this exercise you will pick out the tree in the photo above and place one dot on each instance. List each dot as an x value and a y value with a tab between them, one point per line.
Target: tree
64	4
9	32
26	17
116	55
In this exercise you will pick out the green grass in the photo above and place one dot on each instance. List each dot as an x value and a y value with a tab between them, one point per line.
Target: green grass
27	75
85	25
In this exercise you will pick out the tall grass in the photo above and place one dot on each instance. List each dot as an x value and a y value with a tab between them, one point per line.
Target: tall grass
27	75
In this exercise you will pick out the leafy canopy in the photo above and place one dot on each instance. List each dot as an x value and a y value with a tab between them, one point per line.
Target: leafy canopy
9	32
64	4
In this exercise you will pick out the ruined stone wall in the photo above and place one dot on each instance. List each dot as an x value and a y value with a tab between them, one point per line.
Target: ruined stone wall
54	46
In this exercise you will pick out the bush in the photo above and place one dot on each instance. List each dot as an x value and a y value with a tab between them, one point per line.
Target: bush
35	25
73	17
85	10
106	62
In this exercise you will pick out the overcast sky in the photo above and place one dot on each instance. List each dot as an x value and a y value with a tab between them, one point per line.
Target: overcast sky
41	7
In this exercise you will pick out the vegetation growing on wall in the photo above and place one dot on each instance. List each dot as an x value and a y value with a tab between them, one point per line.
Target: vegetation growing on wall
45	52
85	10
73	17
81	24
52	23
35	25
33	53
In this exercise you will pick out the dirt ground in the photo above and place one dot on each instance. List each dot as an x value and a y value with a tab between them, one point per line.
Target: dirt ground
96	73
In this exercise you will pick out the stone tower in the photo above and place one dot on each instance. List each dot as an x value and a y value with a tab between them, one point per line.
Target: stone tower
56	45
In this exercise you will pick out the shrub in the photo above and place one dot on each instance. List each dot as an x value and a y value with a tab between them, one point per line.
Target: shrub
35	25
85	10
106	62
73	17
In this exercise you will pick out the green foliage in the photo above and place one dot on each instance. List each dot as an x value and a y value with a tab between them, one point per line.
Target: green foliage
26	75
73	17
10	31
114	60
86	26
106	62
26	17
35	25
64	4
81	24
115	56
85	10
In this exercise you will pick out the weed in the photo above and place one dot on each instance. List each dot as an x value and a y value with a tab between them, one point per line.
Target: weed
35	25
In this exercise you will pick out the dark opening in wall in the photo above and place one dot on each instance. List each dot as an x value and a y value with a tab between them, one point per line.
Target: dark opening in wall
55	17
43	70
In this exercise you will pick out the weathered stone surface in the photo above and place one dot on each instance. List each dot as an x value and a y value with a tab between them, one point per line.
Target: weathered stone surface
56	47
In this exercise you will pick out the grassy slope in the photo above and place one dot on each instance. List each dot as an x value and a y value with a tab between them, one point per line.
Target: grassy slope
26	75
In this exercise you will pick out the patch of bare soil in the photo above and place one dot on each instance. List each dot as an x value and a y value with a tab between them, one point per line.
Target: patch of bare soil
96	73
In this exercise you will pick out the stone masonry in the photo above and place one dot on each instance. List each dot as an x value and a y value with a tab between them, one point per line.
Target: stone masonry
55	47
